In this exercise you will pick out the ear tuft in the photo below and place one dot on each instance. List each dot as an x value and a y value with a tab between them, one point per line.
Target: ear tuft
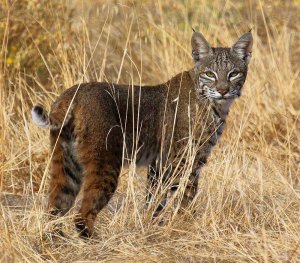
200	47
243	47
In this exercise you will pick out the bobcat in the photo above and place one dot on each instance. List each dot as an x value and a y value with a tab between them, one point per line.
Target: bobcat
91	122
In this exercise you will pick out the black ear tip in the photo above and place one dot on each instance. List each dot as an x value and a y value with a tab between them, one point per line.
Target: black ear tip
247	36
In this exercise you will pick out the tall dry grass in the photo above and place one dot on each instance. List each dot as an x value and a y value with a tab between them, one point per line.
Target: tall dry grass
248	206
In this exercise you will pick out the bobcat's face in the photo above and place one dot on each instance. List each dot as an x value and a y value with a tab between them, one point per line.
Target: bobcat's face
221	72
221	75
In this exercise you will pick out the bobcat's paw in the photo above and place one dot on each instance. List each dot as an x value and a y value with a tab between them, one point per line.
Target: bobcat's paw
82	228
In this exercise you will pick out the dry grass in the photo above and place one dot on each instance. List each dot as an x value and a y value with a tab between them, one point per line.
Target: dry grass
248	206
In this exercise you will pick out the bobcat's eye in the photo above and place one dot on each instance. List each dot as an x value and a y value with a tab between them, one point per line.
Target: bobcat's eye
233	74
210	74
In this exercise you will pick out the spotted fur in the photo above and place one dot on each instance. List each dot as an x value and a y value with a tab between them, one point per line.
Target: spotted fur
90	137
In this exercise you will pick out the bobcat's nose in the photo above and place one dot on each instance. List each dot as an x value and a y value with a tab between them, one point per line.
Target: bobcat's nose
222	91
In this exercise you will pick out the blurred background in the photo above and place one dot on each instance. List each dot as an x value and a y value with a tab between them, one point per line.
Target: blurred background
248	205
37	34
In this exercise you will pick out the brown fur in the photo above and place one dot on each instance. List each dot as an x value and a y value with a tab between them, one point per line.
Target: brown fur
104	118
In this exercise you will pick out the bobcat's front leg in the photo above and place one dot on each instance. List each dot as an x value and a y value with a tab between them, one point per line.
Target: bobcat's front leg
190	189
192	184
154	181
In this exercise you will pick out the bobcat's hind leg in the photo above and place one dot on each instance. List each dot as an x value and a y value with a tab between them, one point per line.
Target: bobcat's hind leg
101	178
65	174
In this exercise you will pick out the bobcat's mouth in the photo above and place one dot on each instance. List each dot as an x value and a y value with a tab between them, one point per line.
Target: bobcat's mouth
215	95
232	94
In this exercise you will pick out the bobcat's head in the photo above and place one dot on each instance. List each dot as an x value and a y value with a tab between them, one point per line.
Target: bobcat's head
221	72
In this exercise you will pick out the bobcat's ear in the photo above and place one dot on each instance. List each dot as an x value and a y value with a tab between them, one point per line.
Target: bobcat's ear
200	47
243	47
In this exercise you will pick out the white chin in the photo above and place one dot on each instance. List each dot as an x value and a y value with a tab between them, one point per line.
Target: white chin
220	101
223	101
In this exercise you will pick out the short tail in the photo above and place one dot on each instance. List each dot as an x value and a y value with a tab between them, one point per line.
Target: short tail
40	116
